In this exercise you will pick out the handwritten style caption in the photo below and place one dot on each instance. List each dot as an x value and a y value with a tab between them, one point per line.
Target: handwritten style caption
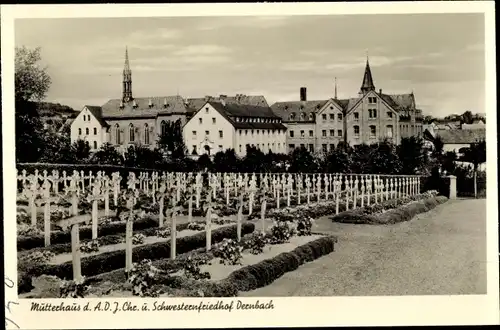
156	306
9	304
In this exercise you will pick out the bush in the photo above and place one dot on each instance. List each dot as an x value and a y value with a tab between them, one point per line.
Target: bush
265	272
142	277
74	289
304	226
256	243
36	257
90	246
191	266
229	251
106	262
281	232
391	216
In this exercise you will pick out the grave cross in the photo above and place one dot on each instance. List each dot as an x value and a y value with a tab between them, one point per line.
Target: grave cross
94	197
289	189
46	200
252	190
308	189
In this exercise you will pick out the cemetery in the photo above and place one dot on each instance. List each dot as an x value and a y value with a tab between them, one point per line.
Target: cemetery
85	234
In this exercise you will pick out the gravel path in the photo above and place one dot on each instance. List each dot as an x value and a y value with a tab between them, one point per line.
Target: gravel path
439	252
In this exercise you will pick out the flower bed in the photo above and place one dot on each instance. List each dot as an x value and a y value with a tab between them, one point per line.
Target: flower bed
114	260
393	211
229	267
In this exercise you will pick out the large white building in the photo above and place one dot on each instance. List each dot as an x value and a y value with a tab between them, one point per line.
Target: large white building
218	126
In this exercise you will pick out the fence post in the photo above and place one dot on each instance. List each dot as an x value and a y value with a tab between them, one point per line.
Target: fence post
453	186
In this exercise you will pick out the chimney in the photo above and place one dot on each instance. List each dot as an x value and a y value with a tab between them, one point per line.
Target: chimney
380	91
303	94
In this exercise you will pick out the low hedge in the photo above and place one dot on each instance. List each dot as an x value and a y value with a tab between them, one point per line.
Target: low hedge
107	262
252	277
62	237
104	240
400	214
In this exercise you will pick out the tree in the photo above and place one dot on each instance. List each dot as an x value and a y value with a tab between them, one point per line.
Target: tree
384	159
226	161
338	160
252	162
411	153
301	161
142	157
476	155
80	151
360	157
204	163
32	83
107	154
467	117
171	140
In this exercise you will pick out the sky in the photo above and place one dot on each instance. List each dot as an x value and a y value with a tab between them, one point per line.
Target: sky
440	57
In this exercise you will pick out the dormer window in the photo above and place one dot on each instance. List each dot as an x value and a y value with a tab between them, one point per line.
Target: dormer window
292	116
302	116
165	104
150	103
134	104
121	105
311	117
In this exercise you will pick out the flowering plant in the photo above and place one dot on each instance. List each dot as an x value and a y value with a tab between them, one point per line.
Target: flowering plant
304	226
143	276
191	266
256	243
196	226
282	231
138	239
27	230
74	289
164	232
90	246
36	257
229	251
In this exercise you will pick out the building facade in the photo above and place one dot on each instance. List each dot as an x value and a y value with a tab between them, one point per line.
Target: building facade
218	126
131	121
370	117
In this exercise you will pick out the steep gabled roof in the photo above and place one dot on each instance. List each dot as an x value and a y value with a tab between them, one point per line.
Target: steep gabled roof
97	113
284	109
160	105
399	101
460	136
194	104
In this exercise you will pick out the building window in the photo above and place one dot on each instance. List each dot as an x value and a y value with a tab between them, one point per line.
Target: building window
302	134
323	133
389	131
372	113
246	132
194	135
332	116
389	114
311	133
87	131
206	110
291	134
252	132
356	131
311	117
201	120
332	133
302	145
194	150
311	147
213	120
207	133
79	131
356	116
117	134
339	116
302	116
372	100
325	150
220	147
221	134
146	134
95	144
339	132
131	133
373	132
332	147
240	132
258	131
291	146
240	147
95	130
323	116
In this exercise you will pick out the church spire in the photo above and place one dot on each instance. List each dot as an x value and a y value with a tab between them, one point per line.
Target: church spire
127	79
367	84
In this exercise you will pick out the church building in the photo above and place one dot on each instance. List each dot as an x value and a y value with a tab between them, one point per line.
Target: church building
130	120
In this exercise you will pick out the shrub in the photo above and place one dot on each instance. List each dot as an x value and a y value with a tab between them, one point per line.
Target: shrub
164	233
256	243
36	257
304	226
142	277
28	230
229	251
74	289
281	232
191	266
138	239
90	246
106	262
196	226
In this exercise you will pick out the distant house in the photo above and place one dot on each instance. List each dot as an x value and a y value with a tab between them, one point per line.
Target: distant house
476	124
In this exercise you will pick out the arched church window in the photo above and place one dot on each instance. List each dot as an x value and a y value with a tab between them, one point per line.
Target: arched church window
117	133
131	133
146	134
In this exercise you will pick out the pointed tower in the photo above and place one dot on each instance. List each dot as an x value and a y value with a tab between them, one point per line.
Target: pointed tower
127	80
367	84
